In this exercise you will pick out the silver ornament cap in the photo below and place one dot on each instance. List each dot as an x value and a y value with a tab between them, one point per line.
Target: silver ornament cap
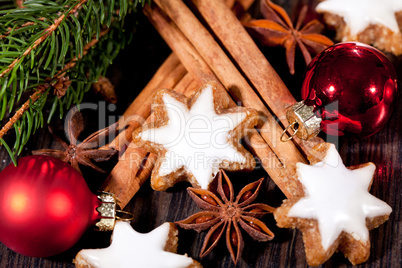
302	121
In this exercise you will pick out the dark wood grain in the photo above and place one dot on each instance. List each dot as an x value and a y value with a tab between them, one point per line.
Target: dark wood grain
131	72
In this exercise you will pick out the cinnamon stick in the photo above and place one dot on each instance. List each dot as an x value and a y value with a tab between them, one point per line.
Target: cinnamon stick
227	72
123	180
135	165
187	86
256	144
168	74
252	62
268	159
238	88
201	71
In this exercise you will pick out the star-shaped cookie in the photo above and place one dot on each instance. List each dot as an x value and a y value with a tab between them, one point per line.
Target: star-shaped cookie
336	210
132	249
195	137
359	14
373	22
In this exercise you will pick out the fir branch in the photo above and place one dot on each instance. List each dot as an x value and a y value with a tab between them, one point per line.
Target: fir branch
22	110
31	23
73	62
42	88
36	42
42	38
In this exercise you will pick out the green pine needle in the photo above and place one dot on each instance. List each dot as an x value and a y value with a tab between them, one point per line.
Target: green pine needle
29	55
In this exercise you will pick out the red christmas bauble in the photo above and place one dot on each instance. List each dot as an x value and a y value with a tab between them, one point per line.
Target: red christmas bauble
353	88
45	206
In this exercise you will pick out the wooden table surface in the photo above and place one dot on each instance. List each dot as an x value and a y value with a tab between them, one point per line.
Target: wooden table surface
131	71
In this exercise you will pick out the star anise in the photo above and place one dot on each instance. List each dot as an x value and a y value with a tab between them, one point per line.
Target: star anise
227	214
83	152
277	30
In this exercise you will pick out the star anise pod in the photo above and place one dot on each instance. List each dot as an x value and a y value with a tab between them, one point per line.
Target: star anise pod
84	152
227	214
277	30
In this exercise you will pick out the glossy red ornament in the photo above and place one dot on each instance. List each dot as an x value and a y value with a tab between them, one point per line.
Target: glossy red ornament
353	88
45	206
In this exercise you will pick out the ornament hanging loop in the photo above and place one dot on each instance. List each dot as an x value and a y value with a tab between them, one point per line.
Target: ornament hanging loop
302	120
291	126
109	213
124	215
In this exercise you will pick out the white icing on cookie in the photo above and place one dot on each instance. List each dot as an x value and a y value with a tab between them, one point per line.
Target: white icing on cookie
337	198
359	14
132	249
196	138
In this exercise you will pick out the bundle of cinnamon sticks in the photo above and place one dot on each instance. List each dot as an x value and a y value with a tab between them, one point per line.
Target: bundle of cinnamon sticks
237	64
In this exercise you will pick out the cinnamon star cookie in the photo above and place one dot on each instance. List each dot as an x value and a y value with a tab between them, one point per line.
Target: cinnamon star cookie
374	22
132	249
195	137
336	210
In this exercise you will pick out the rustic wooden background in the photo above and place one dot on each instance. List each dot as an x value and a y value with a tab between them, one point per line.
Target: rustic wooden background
130	73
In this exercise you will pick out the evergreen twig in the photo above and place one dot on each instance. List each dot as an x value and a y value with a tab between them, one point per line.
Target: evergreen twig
36	41
41	89
73	62
2	36
18	114
46	34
